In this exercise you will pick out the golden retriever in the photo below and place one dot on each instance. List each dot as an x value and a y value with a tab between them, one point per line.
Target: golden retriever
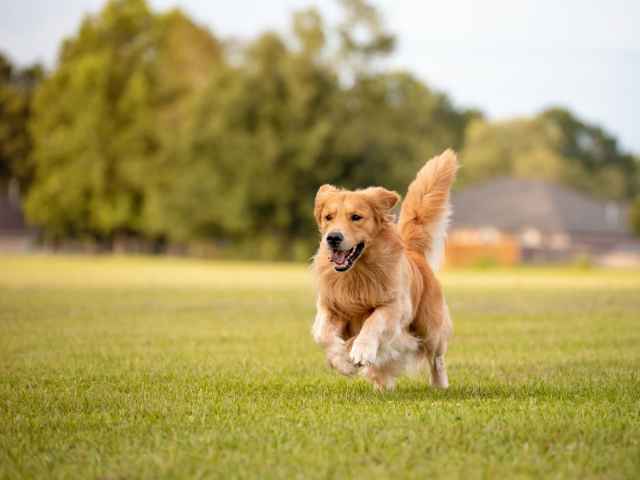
379	306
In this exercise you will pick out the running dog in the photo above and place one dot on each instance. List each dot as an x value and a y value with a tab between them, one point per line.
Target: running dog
380	307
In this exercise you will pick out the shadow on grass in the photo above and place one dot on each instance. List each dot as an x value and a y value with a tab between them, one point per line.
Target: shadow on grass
540	391
491	392
359	390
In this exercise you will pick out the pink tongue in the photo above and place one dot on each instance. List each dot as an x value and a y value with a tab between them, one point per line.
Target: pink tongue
338	256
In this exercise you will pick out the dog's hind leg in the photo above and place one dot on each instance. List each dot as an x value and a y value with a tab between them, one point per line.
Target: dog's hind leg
439	377
436	345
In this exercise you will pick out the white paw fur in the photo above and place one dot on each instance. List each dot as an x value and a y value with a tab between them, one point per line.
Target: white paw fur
364	351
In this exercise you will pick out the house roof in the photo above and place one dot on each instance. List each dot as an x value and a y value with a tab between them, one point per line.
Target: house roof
512	204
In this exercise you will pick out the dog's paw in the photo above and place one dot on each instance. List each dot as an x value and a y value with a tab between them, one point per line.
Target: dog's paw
343	365
364	352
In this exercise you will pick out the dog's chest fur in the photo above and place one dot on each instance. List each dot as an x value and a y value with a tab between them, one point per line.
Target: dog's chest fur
351	297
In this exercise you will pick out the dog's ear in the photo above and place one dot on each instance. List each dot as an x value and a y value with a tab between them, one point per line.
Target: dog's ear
384	199
323	193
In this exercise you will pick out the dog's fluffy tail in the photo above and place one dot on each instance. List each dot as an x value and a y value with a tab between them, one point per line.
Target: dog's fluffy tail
425	212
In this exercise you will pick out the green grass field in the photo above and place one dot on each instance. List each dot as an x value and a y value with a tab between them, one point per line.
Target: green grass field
126	368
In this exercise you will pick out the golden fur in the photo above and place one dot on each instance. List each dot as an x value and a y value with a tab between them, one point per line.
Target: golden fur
388	308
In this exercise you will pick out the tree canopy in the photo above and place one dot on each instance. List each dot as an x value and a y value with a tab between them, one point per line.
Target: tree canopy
555	146
103	118
151	127
16	91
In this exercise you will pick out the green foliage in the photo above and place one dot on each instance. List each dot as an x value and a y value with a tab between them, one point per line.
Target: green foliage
135	368
554	146
150	127
258	134
102	118
16	91
391	123
271	129
363	37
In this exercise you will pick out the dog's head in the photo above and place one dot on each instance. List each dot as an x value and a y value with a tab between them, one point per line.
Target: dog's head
349	221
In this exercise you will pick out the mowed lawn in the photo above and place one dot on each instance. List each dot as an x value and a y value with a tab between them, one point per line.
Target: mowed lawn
126	368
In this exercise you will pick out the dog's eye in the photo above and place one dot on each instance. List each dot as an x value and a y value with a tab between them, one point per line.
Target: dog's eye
328	218
355	217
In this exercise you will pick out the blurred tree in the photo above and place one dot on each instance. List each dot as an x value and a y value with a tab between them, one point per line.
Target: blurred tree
607	169
309	32
270	130
555	146
104	115
16	92
187	57
92	126
260	135
392	123
497	148
363	38
151	127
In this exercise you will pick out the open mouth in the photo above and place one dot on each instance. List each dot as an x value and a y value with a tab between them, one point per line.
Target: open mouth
343	260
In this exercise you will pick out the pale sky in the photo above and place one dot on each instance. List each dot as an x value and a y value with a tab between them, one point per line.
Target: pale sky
507	57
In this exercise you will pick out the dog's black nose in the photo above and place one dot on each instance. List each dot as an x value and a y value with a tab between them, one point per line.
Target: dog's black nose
334	239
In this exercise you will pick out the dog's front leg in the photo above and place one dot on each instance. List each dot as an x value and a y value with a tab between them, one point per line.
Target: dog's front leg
375	329
326	333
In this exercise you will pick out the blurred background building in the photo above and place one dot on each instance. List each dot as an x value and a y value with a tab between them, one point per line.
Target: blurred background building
507	221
